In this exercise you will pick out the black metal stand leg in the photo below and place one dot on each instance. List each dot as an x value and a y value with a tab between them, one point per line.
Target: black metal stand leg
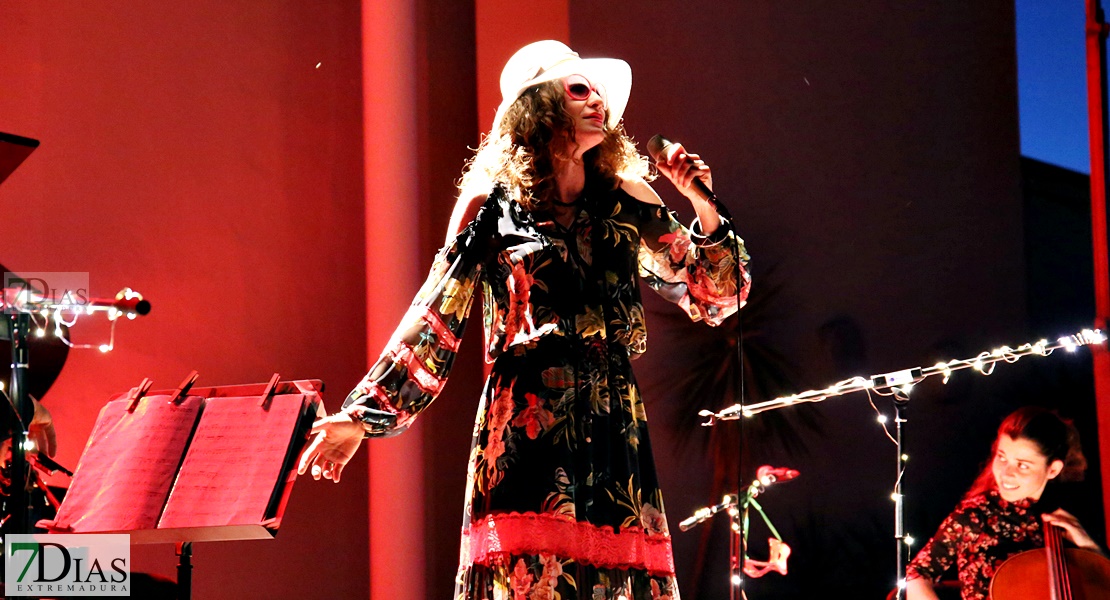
736	553
20	324
901	401
184	570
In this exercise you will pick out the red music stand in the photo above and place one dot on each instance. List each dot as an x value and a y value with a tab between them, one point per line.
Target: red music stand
191	464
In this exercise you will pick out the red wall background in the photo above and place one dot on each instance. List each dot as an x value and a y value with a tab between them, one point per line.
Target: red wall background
207	154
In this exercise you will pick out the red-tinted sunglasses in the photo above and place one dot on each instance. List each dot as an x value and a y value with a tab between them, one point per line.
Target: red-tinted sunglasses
579	88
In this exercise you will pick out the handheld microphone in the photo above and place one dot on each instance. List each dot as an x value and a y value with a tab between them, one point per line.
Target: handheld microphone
659	147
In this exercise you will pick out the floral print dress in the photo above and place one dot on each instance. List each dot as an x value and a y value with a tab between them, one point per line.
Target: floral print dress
562	496
980	534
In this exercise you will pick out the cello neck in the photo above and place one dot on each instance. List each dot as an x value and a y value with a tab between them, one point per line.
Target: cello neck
1058	584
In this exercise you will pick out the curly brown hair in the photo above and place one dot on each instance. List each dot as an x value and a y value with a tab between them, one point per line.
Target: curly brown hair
520	153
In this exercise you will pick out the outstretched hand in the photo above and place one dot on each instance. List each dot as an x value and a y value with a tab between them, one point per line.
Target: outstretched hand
337	438
1072	528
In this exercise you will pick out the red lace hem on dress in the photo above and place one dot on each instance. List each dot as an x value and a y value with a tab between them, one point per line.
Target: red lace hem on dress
531	533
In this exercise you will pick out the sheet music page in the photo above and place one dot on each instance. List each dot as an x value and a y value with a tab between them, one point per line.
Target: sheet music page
125	473
234	462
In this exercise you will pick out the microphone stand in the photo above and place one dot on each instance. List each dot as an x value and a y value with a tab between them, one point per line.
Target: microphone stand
656	147
901	401
19	323
739	545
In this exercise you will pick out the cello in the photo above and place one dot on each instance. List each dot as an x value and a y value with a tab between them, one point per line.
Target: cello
1054	573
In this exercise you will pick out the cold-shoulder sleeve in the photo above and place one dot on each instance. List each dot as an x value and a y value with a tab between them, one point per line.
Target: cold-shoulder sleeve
417	360
699	273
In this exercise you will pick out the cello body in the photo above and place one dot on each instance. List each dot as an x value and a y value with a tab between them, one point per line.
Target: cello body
1058	574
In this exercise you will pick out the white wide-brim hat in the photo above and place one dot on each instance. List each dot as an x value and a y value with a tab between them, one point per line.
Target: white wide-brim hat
549	60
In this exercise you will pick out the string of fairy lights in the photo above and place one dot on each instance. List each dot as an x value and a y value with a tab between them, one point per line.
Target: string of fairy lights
899	384
889	384
56	317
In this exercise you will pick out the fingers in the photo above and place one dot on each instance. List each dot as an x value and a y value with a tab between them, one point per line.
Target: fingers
683	168
337	438
309	455
674	151
1073	530
1061	518
691	167
328	470
321	461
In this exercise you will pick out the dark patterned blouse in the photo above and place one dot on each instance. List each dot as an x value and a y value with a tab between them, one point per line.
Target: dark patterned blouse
562	497
977	538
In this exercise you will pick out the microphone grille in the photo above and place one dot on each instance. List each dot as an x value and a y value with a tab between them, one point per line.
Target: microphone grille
656	147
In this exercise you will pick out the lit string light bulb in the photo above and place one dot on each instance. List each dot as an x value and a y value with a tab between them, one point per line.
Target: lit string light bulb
944	370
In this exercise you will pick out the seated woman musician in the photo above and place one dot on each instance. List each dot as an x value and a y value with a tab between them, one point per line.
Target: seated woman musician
1001	515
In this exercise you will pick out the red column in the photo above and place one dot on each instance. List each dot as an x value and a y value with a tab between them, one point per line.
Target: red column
1096	35
503	27
393	274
